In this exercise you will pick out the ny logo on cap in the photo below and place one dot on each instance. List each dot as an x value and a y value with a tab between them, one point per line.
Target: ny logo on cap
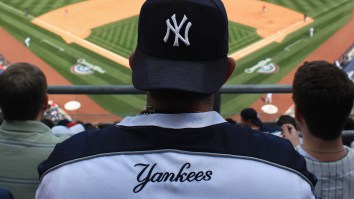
175	29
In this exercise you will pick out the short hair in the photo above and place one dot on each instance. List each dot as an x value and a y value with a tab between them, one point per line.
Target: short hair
324	95
251	115
287	119
23	87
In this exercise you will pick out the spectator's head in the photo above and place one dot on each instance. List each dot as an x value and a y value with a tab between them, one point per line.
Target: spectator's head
249	117
23	92
323	96
89	126
182	50
287	119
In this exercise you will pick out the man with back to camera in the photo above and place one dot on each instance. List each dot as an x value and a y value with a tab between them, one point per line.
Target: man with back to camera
24	140
323	97
178	148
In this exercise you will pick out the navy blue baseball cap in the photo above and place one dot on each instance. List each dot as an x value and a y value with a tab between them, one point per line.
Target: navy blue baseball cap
182	45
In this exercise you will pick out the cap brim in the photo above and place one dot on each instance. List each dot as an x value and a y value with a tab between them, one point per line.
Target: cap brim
154	73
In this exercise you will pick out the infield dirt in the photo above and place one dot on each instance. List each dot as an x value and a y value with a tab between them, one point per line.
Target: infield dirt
330	51
74	23
15	51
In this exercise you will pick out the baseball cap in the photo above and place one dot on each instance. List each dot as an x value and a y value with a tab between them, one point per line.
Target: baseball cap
249	114
182	45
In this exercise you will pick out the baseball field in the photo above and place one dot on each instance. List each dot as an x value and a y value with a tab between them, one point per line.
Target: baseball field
88	42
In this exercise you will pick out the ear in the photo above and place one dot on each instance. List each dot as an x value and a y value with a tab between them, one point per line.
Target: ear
231	68
45	102
298	115
131	60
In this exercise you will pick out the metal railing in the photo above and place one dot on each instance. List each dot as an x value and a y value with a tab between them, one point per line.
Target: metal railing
119	89
348	135
129	89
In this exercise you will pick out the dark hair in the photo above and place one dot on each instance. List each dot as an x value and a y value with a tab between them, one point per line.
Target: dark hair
324	95
23	87
287	119
251	115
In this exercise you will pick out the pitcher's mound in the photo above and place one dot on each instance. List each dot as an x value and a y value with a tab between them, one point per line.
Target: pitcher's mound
72	105
270	109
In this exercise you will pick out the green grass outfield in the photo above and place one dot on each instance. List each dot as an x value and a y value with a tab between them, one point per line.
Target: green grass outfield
329	16
121	37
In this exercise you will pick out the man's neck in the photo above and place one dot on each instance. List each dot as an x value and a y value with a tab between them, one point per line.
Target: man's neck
194	106
323	150
39	117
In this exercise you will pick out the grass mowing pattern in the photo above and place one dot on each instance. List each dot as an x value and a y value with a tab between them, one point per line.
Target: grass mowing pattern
241	36
20	27
38	7
313	9
328	18
326	24
121	37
